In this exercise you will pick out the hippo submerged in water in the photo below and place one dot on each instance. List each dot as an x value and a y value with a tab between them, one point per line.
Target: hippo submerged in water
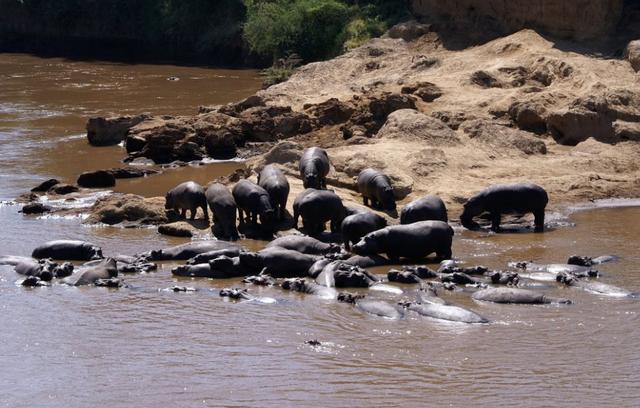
68	250
519	198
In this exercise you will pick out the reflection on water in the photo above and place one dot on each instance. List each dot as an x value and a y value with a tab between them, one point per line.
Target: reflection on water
79	347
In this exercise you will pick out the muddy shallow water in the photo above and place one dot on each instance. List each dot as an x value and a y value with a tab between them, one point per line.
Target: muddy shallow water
78	347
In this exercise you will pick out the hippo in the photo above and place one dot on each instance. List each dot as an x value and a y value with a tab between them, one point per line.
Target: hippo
260	280
451	266
254	201
431	305
41	269
188	250
306	245
380	308
223	207
459	278
88	275
411	274
316	207
548	272
594	287
512	295
314	166
222	267
68	250
588	261
503	278
187	196
318	267
243	294
356	226
273	180
208	256
202	270
304	286
341	275
428	208
519	198
376	186
412	241
278	262
367	261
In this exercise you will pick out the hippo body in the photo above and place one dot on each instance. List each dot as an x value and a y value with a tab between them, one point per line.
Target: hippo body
356	226
376	186
278	262
446	312
223	207
412	241
380	308
341	275
89	275
255	202
428	208
367	261
304	244
187	196
208	256
598	288
519	198
68	250
314	166
304	286
316	207
273	180
189	250
512	295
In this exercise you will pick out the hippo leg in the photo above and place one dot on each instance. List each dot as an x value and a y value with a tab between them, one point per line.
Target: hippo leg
539	220
365	200
254	218
347	243
183	213
334	226
193	210
296	216
240	215
444	253
206	213
495	221
394	258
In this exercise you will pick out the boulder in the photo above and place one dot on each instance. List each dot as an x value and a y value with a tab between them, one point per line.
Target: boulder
63	189
411	125
426	91
45	186
409	30
529	116
131	172
502	137
35	208
284	153
177	229
220	145
632	54
331	112
381	106
271	123
96	179
111	131
573	125
118	208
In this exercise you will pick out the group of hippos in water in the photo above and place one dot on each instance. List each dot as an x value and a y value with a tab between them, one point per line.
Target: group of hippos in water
304	263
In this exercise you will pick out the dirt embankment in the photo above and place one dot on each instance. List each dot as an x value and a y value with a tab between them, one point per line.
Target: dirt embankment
437	121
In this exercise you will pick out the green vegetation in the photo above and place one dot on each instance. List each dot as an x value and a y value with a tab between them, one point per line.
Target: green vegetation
201	30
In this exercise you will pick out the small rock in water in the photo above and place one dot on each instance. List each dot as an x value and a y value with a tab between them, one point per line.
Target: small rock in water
181	289
234	293
33	281
313	343
580	260
35	208
45	186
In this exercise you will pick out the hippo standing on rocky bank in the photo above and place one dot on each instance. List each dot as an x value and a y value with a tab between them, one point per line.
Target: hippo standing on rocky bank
428	208
356	226
412	241
314	167
273	180
376	186
68	250
316	207
519	198
187	196
254	201
223	207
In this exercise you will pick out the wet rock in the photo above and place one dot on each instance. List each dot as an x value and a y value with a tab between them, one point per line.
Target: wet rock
63	189
409	30
96	179
131	172
411	125
177	229
632	54
111	131
35	208
45	186
498	136
220	145
117	208
331	112
134	143
426	91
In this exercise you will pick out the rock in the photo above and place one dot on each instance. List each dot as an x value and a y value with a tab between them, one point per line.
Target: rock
284	153
63	189
111	131
574	125
117	208
632	54
45	185
96	179
177	229
409	30
498	136
270	123
485	80
188	151
578	19
381	106
134	143
35	208
626	130
452	119
27	197
330	112
131	172
528	116
411	125
426	91
221	145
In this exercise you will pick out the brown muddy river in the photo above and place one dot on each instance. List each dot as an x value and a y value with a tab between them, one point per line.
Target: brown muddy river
138	347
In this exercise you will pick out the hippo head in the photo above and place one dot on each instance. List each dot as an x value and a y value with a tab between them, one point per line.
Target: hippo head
565	278
64	270
388	199
311	180
221	263
268	220
366	246
156	255
93	252
251	260
472	207
295	284
347	297
169	203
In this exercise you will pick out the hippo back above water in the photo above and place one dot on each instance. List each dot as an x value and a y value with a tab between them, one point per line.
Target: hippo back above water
412	241
187	196
68	250
428	208
314	166
376	186
519	198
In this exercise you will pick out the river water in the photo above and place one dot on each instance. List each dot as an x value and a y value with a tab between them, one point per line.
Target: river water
79	347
